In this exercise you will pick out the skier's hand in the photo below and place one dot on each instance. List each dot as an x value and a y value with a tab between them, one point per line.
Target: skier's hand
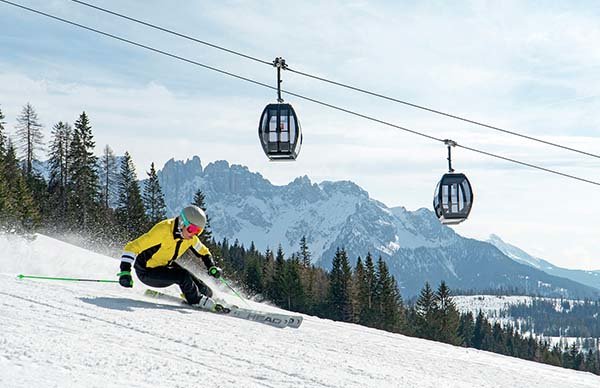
125	279
215	271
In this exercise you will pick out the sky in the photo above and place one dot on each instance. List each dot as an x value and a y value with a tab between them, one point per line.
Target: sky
526	66
102	335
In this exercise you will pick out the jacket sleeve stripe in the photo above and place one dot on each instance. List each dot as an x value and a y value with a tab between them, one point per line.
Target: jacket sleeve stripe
128	257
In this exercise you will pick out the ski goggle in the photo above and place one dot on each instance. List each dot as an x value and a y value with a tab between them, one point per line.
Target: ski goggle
191	228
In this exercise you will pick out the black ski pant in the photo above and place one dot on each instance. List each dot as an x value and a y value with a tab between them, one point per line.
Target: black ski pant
192	287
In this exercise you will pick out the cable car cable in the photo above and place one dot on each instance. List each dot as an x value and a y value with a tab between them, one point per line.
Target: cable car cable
443	113
138	44
295	94
340	84
172	32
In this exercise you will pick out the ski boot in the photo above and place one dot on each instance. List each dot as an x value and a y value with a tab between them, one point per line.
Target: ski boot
209	304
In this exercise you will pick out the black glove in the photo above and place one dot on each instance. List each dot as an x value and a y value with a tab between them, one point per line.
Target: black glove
125	279
215	271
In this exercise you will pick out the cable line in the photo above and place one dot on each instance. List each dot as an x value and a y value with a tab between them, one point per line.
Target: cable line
442	113
350	87
295	94
138	44
172	32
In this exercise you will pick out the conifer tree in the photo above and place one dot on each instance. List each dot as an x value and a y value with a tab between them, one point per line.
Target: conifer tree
29	136
2	134
466	328
340	287
268	272
83	177
59	173
130	211
305	255
154	199
481	333
3	183
359	296
425	313
108	176
388	301
292	289
277	286
447	318
369	290
307	273
253	274
19	210
199	200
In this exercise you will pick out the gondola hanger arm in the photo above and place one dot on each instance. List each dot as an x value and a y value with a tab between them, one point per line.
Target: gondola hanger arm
279	63
450	143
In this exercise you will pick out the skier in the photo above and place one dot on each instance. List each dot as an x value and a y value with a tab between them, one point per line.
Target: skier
153	256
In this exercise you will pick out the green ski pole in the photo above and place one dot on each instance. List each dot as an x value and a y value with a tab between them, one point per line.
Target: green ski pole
21	276
234	291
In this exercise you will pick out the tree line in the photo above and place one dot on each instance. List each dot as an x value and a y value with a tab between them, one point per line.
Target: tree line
78	195
369	296
569	318
100	199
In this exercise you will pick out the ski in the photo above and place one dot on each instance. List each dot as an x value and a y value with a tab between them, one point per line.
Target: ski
271	319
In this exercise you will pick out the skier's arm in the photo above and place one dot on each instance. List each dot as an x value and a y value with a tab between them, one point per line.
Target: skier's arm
202	252
140	244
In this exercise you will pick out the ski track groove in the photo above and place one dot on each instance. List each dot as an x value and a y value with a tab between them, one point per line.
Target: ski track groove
287	377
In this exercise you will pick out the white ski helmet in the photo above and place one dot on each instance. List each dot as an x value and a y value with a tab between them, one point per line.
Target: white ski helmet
193	215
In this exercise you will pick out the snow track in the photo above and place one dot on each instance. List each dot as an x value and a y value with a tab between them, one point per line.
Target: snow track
65	334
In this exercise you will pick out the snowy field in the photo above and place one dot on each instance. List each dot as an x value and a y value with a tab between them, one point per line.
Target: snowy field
66	334
490	305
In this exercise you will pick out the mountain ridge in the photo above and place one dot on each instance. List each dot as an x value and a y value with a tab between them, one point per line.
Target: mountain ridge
244	206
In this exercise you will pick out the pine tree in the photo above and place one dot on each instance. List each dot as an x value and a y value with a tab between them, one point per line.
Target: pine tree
29	136
109	173
369	291
268	272
83	177
481	333
3	183
466	328
305	253
199	200
359	299
2	135
154	199
388	302
425	313
253	275
447	318
130	211
292	289
59	173
340	287
19	211
307	273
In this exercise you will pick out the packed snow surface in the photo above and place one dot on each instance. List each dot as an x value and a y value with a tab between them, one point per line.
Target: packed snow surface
78	334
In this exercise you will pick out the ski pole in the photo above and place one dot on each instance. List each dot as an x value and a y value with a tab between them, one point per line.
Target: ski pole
234	291
21	276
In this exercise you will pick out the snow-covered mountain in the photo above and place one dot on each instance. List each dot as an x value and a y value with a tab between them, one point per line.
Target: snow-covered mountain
590	278
86	334
245	206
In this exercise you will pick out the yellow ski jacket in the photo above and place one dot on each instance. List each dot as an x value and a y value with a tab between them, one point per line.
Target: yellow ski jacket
162	245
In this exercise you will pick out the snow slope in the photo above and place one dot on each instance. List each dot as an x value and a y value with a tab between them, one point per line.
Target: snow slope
66	334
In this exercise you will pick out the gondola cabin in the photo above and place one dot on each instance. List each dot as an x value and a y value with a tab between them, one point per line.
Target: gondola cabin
280	132
453	198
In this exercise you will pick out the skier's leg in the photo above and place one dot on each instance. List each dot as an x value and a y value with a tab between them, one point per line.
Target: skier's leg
166	276
202	287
